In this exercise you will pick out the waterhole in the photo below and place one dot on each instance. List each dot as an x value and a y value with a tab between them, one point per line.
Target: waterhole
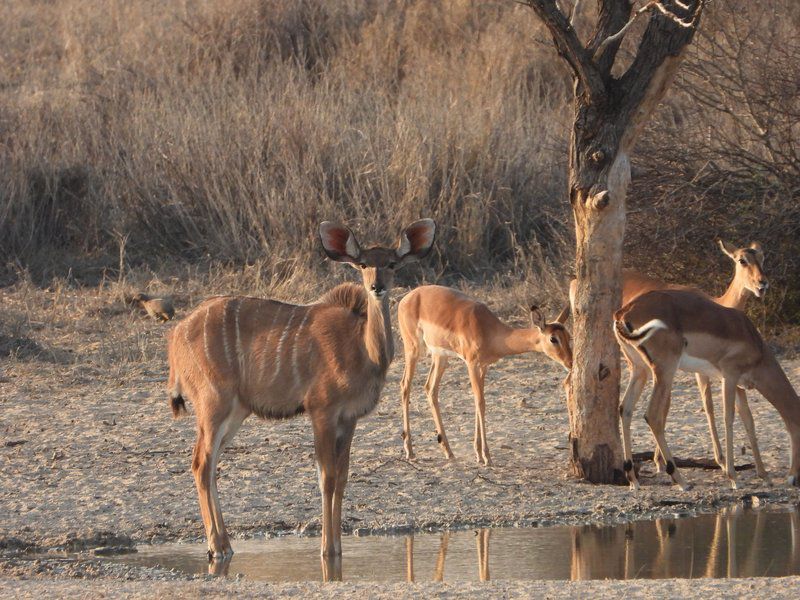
735	542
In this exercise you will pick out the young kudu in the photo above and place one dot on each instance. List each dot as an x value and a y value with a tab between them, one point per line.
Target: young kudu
449	323
748	281
236	356
683	329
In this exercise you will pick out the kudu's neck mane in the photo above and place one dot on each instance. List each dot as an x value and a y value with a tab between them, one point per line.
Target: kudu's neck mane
378	338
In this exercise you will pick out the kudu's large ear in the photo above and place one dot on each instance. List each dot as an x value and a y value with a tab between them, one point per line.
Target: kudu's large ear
759	252
562	318
339	242
416	240
727	248
537	318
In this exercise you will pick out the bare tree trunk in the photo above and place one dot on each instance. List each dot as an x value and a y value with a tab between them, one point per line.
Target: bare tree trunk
598	205
609	114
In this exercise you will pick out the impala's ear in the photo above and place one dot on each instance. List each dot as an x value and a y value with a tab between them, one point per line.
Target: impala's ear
416	240
537	318
759	252
339	242
727	248
562	318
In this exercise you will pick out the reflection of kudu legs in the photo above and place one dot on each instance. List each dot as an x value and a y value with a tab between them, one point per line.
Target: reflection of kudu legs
439	573
483	554
410	558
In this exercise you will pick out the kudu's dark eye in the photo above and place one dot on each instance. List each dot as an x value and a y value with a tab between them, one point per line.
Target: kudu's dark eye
554	340
742	262
363	265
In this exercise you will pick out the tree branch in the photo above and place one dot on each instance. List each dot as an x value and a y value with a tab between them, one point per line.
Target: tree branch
612	15
655	4
657	58
569	46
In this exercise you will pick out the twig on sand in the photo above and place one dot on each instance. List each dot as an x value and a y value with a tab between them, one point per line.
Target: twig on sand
690	463
386	462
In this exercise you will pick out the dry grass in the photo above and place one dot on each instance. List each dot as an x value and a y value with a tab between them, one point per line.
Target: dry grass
214	136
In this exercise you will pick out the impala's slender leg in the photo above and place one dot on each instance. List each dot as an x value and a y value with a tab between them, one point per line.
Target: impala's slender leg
639	374
656	416
344	438
325	451
477	377
704	384
743	408
729	406
438	367
412	356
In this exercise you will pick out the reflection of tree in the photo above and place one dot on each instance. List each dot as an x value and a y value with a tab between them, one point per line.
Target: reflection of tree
331	568
598	553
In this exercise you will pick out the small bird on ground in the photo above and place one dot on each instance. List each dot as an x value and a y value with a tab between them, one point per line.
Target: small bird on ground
160	309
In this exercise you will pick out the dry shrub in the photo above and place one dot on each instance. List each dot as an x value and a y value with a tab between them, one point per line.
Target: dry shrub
230	129
223	131
721	160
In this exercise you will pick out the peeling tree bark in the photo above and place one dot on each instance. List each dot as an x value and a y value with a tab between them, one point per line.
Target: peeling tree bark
609	114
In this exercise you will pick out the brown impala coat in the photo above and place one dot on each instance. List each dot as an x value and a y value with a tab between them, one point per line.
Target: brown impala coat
682	329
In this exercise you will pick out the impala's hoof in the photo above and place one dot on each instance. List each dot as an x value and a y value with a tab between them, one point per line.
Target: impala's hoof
634	486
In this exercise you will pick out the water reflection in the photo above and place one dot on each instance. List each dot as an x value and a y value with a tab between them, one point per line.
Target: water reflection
732	543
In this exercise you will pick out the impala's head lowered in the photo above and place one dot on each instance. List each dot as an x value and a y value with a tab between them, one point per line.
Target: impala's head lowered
749	266
378	264
555	339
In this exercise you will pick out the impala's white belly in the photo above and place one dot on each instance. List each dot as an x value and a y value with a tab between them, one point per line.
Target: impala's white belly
692	364
439	351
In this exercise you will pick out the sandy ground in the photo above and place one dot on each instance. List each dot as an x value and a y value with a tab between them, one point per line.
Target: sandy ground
90	456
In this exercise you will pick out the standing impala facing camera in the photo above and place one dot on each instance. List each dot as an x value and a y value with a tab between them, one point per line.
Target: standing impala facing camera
236	356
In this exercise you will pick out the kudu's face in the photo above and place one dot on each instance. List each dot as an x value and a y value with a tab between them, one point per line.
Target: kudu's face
749	267
378	264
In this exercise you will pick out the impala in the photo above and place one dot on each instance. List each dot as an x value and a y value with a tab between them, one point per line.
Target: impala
683	329
236	356
449	323
748	281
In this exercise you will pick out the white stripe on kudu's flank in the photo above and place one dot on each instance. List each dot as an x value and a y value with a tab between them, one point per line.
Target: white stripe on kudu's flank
268	343
239	348
280	345
295	371
205	335
225	345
